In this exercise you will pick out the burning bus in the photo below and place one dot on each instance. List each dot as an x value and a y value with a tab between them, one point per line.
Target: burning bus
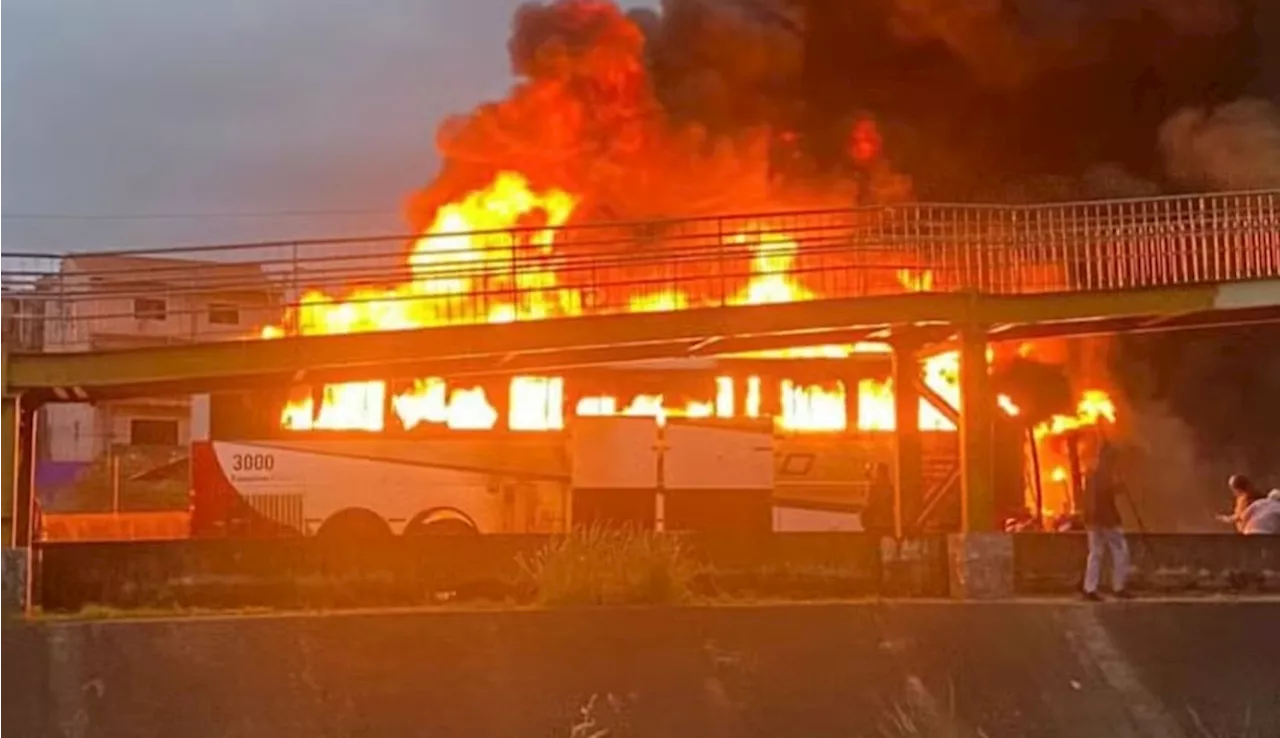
731	445
742	445
701	444
775	440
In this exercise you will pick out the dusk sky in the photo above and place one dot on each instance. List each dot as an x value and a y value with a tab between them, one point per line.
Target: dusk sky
140	107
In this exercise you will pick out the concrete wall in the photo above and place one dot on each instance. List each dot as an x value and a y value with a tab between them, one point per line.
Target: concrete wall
298	572
1164	669
1166	563
15	565
311	572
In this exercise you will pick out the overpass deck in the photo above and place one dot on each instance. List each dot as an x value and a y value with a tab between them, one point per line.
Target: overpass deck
527	298
606	339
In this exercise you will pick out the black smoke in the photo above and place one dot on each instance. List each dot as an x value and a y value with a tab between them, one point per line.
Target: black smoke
711	105
989	99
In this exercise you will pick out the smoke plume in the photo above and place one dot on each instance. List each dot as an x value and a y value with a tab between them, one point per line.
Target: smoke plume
1011	44
707	106
1233	147
604	109
1173	487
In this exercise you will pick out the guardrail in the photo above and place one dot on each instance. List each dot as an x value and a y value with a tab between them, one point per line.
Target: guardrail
228	292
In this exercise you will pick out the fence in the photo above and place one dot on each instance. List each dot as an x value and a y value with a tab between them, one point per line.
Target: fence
231	292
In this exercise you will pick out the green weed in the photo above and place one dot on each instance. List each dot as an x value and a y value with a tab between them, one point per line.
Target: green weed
601	565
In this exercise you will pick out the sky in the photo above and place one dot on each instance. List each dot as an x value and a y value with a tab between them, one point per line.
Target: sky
144	107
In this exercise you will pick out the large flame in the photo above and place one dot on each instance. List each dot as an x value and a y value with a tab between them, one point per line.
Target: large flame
462	272
1095	407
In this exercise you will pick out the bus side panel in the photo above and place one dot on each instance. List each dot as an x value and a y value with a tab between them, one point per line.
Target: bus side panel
717	477
828	472
713	456
613	453
810	520
231	477
613	471
831	475
217	507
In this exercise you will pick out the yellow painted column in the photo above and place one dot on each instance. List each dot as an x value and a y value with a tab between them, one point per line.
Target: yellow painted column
19	470
908	483
25	531
11	435
977	457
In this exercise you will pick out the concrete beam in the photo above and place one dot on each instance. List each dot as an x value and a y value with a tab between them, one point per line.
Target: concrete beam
352	356
729	345
1089	306
205	367
1161	323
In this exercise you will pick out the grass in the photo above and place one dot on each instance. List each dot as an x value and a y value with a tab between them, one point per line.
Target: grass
610	566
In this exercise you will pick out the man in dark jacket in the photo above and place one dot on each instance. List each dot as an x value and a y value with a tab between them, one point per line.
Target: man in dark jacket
878	515
1102	522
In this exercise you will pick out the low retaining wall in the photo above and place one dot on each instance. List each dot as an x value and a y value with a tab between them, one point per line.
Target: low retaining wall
15	581
1162	563
298	572
871	669
308	572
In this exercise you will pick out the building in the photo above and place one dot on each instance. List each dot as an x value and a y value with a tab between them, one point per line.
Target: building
23	322
111	302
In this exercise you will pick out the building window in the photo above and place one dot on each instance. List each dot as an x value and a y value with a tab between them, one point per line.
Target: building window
221	313
149	308
151	432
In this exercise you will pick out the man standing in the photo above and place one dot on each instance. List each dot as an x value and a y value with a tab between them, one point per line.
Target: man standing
878	516
1102	523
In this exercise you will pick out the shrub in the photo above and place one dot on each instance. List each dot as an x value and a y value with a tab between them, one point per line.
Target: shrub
610	566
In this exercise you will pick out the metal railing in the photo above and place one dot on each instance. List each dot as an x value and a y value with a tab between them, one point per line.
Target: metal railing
230	292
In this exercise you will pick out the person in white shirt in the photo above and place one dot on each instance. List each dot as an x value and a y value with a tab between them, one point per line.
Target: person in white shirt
1245	494
1262	517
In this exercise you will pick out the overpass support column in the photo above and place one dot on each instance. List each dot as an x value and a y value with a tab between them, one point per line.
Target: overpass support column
977	458
19	433
981	558
908	483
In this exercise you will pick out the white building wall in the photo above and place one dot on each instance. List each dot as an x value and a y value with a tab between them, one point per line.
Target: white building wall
200	418
73	431
83	320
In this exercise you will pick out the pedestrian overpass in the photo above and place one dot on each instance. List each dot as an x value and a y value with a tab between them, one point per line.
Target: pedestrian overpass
906	274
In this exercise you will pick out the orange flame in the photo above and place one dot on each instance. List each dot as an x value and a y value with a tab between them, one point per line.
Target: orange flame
1094	407
470	249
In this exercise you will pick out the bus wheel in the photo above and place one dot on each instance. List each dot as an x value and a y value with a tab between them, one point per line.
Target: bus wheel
354	523
440	523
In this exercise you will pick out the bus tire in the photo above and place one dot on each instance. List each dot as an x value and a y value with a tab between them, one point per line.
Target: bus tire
440	522
354	523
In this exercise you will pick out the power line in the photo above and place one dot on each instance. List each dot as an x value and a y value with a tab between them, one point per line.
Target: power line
198	216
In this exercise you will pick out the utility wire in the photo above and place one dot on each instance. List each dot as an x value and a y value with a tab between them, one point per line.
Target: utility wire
199	216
